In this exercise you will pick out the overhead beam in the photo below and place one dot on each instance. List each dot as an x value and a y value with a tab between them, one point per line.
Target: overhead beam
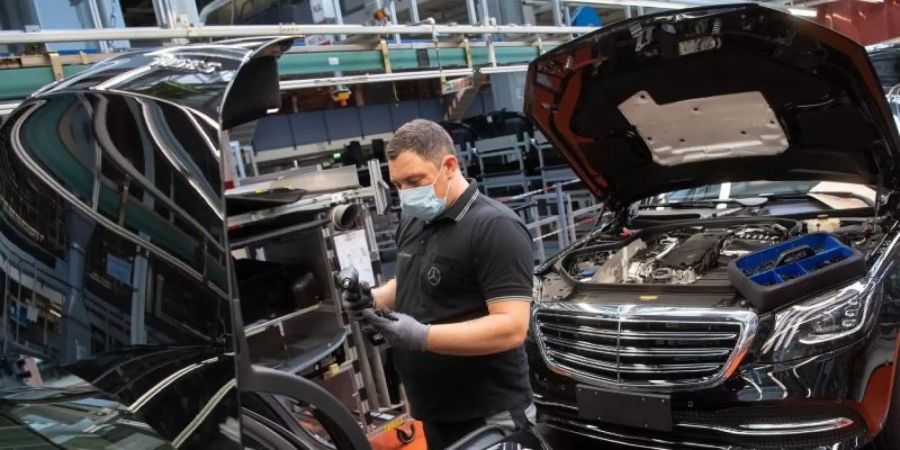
363	66
373	78
213	32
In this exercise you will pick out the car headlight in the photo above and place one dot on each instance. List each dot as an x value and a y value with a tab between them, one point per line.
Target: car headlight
537	289
823	323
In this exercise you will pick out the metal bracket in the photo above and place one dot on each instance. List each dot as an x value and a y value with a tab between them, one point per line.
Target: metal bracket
56	65
489	42
385	55
468	51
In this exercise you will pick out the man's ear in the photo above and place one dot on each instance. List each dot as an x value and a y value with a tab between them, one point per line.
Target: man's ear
451	165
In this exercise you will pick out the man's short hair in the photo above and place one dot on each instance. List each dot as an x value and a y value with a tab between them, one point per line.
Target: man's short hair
423	137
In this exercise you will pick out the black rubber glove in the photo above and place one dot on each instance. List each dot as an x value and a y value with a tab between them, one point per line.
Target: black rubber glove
355	302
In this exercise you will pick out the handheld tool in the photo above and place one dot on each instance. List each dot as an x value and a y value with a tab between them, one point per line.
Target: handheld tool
348	280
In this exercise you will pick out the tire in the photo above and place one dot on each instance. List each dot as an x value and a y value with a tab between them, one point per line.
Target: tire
407	437
889	438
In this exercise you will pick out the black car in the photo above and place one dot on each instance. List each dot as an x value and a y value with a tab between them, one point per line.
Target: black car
711	135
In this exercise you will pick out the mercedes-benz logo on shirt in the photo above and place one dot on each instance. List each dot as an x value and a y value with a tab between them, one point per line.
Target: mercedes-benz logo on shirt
434	276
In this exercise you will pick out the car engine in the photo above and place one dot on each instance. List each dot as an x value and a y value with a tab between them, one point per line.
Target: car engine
679	257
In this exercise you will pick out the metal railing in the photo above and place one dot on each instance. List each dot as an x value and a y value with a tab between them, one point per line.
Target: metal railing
552	218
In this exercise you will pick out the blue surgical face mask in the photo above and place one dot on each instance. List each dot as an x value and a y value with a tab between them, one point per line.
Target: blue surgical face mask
422	202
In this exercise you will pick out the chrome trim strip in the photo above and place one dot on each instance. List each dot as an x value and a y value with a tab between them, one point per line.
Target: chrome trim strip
594	432
141	401
632	313
750	429
774	430
597	433
637	335
538	400
637	351
204	413
551	313
635	368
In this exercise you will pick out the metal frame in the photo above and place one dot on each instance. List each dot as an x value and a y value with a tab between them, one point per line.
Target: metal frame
368	377
394	63
488	52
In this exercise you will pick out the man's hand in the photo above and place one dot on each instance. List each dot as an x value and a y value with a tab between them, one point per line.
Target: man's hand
399	330
355	302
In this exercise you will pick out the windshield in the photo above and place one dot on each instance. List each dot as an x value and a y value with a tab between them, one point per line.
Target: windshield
834	194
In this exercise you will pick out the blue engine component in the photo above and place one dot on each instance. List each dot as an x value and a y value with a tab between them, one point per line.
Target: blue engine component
794	269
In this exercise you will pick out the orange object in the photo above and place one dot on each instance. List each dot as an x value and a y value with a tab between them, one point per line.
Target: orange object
866	22
388	440
877	398
382	15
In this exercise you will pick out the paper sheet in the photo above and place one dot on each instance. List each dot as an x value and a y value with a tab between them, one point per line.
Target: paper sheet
862	190
352	249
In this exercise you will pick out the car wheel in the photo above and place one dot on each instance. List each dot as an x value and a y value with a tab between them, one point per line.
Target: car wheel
889	438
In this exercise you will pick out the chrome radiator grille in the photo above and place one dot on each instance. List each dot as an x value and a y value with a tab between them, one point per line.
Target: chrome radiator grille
643	346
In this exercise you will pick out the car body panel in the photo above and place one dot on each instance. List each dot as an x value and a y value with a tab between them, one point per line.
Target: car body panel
117	305
771	85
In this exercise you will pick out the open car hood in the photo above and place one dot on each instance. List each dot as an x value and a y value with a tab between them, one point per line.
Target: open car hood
700	96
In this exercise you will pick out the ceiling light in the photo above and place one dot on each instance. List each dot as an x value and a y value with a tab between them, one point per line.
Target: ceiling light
803	12
504	69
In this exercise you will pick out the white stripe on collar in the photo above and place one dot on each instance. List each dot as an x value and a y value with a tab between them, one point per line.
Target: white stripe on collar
468	205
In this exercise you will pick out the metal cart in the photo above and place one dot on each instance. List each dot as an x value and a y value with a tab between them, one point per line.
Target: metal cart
315	339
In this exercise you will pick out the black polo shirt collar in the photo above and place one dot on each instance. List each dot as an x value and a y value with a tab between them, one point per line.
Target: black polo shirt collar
462	204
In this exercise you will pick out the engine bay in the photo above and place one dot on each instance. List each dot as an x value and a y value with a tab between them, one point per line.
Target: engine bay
691	253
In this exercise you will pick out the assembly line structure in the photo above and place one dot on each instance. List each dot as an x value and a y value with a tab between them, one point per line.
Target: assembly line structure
320	230
366	56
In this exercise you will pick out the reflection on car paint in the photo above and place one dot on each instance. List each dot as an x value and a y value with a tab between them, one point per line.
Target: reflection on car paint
116	328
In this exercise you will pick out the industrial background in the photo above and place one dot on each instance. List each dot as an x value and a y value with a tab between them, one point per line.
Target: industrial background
357	71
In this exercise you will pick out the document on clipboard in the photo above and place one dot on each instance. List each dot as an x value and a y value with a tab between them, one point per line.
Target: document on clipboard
352	249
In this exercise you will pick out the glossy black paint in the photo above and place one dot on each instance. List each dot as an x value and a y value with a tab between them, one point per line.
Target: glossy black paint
117	320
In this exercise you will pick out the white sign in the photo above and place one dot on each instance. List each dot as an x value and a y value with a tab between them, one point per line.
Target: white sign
457	85
352	249
321	10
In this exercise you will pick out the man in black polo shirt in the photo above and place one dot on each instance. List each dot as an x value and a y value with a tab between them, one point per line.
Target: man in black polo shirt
461	296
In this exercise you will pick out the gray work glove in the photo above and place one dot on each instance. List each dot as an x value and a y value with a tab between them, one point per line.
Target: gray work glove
355	302
399	330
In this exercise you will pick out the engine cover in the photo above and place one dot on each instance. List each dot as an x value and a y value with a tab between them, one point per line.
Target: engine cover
698	252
